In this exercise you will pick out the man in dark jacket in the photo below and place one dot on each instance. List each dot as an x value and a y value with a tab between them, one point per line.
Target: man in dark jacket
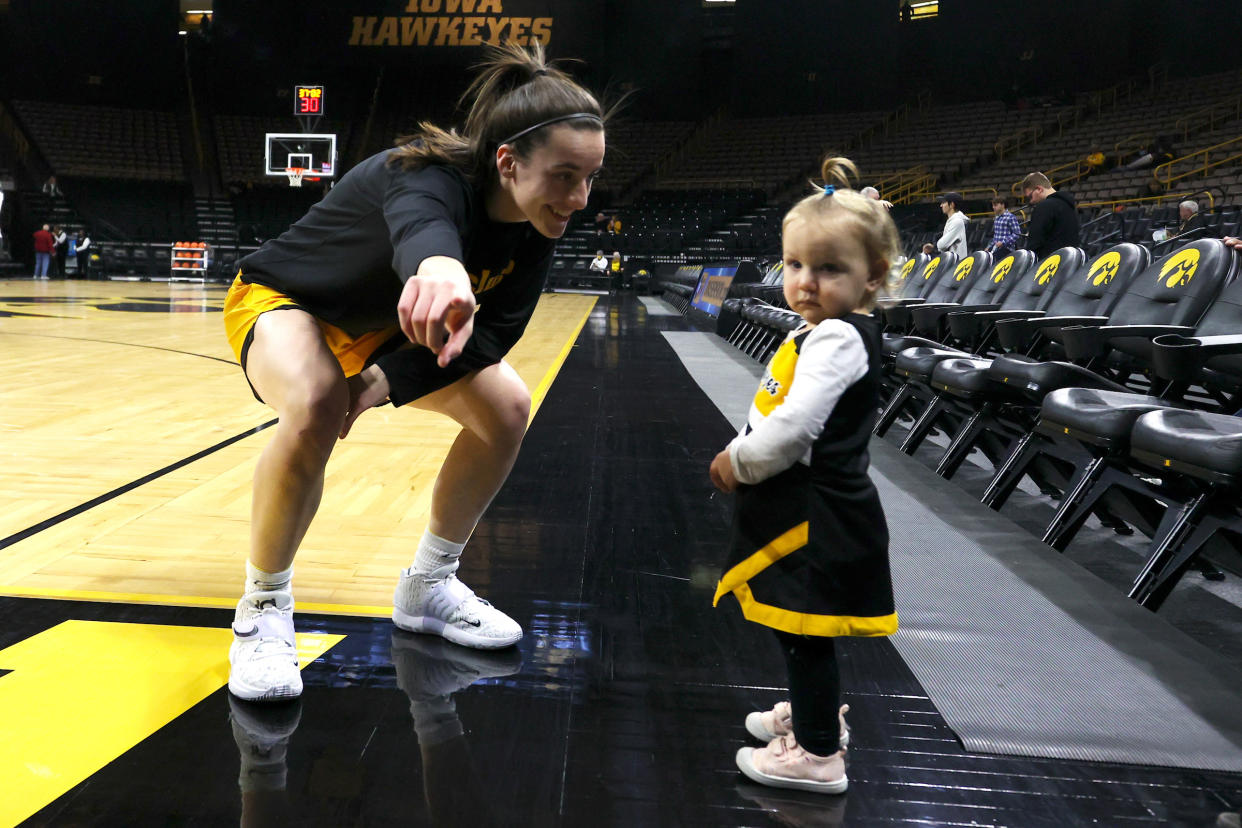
1054	221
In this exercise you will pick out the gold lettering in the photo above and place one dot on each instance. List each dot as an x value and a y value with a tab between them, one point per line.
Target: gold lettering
363	28
416	29
541	30
411	7
470	31
431	6
486	6
517	30
495	25
387	35
454	6
447	35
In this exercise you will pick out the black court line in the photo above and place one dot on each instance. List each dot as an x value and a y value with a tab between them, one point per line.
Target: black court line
114	342
117	492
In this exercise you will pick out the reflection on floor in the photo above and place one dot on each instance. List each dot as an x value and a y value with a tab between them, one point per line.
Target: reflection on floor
624	703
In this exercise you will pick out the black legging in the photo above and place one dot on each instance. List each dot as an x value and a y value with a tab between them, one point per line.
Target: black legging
814	691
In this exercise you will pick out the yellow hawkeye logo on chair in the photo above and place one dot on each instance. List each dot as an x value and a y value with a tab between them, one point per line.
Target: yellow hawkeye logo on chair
963	270
1048	270
1002	269
1180	268
1104	268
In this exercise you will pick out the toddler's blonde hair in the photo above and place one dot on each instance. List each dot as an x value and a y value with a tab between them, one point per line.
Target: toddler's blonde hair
869	217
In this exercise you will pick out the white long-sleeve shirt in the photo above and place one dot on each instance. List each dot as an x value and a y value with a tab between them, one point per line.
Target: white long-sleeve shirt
953	240
799	390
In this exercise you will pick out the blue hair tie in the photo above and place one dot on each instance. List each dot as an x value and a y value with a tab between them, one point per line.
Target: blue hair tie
829	189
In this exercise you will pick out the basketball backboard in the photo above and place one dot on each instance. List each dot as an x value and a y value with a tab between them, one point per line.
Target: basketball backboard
314	153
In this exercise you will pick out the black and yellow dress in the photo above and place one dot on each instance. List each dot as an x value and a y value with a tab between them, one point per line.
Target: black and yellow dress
809	553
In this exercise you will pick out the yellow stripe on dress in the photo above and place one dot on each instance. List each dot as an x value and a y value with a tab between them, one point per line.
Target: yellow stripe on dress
805	623
790	542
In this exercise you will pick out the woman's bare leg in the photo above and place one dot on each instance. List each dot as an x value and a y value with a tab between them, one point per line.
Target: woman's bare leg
295	373
293	370
492	407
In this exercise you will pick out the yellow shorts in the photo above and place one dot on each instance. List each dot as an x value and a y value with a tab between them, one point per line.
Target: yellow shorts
246	302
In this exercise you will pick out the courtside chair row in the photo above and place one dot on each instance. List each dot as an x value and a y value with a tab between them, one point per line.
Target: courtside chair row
1082	391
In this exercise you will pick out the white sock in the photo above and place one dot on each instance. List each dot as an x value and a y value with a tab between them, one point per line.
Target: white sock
436	557
259	581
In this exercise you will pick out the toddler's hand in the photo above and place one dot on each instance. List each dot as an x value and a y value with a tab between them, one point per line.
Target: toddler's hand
722	472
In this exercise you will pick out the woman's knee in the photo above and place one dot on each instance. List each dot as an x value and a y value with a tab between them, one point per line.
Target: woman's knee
316	409
513	412
508	411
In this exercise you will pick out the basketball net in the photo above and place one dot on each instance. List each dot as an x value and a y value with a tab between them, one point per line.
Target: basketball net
295	175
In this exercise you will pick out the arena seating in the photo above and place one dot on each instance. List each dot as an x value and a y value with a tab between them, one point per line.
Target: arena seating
756	167
125	144
949	141
635	147
765	153
1129	125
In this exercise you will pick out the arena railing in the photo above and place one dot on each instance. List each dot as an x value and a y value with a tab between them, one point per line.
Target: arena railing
1201	161
1219	113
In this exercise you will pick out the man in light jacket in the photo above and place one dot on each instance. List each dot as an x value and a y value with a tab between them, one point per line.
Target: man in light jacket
953	239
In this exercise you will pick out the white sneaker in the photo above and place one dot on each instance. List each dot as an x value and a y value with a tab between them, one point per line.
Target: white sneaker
448	608
785	764
264	655
770	724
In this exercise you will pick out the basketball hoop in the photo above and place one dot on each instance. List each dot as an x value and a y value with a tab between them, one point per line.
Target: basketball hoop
295	175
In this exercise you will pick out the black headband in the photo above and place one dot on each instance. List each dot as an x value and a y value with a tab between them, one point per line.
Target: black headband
550	121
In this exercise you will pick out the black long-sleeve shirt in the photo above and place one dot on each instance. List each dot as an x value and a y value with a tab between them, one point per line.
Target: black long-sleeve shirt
347	259
1054	224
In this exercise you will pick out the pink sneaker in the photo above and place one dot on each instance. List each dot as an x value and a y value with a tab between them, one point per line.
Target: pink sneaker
784	764
769	724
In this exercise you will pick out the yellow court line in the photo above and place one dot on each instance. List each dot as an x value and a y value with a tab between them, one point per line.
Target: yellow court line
541	390
180	600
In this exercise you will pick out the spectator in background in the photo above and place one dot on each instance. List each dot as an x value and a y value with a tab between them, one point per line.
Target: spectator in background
1054	219
600	262
1005	229
44	247
1189	217
601	222
83	254
874	194
62	249
615	265
51	188
614	225
953	239
1159	152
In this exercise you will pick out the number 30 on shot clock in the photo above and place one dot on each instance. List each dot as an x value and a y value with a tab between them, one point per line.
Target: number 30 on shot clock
308	100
